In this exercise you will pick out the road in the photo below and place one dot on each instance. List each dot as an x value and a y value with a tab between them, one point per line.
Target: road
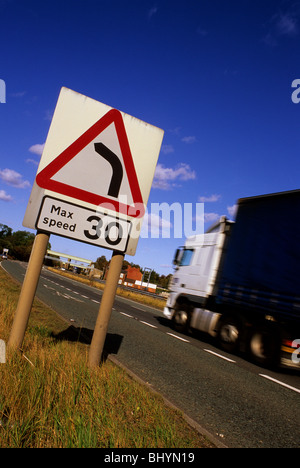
239	403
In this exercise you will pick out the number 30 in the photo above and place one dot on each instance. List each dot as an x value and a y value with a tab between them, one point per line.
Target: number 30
97	229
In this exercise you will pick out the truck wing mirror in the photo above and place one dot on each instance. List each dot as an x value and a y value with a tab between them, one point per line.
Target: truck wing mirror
177	257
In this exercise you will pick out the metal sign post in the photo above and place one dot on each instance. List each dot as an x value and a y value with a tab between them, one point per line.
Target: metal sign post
28	290
105	309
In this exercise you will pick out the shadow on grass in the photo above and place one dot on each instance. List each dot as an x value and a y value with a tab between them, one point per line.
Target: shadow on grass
84	335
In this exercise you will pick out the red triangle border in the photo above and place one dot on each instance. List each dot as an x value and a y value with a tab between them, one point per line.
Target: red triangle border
43	179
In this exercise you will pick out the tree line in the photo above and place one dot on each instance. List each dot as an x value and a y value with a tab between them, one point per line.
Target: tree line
19	243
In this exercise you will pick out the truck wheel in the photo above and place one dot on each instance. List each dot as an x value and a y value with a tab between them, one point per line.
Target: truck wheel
229	334
181	319
264	346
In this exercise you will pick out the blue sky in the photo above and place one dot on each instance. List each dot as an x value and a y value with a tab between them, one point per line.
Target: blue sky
216	75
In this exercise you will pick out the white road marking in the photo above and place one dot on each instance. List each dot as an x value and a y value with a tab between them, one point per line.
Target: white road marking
297	390
126	315
149	324
66	296
218	355
49	287
178	337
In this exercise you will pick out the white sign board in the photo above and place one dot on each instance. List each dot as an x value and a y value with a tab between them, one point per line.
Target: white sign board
95	174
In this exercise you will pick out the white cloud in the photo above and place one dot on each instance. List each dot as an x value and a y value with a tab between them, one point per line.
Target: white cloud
167	149
152	12
202	32
210	217
165	177
213	198
37	149
155	226
287	25
189	139
4	196
48	115
232	210
32	161
155	221
18	94
283	24
175	131
11	177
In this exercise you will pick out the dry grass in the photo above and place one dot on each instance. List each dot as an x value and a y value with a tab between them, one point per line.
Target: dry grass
52	399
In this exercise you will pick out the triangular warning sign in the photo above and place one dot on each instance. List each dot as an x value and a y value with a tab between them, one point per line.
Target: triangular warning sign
98	168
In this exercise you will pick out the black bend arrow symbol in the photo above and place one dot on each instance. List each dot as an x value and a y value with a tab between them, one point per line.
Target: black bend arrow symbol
117	168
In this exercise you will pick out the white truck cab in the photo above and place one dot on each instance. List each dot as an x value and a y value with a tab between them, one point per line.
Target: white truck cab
196	279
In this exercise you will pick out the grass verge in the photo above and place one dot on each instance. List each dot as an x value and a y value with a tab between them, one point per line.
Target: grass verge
50	398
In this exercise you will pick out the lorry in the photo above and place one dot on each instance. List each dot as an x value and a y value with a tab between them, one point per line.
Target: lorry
240	281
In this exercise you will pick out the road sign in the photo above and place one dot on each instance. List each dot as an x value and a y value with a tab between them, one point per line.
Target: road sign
79	170
98	163
92	185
